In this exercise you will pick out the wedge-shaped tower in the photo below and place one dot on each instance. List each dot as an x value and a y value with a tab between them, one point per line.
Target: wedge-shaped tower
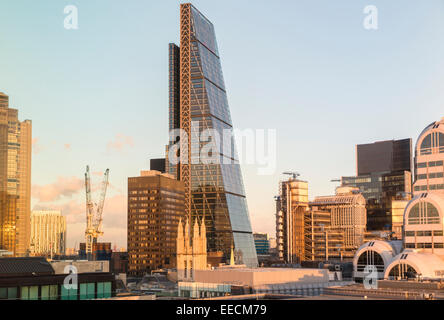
197	102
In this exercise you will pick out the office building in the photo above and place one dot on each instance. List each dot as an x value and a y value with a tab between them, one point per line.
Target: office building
384	156
262	243
348	213
197	103
101	251
34	278
48	233
429	159
291	205
398	208
383	175
155	205
323	242
15	180
420	254
240	280
158	165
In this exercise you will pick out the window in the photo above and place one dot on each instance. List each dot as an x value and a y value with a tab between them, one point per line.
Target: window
426	145
87	291
437	233
403	271
441	142
8	293
423	213
410	233
68	294
29	293
370	257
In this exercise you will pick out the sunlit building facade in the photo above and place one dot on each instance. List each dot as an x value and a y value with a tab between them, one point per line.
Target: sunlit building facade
48	233
383	175
198	101
422	254
291	207
15	184
429	159
348	213
155	206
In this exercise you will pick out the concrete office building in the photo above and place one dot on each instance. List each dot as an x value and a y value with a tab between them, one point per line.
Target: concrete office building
155	205
291	205
34	278
348	213
429	159
398	208
323	242
232	280
15	180
383	174
422	253
197	103
262	243
48	233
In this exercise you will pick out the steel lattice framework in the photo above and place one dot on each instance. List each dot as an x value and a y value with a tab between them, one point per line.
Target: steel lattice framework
185	102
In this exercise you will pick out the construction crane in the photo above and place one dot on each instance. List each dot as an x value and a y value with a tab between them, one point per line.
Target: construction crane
291	173
94	217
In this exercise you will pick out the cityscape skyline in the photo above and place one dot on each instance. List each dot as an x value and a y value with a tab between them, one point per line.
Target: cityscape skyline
103	141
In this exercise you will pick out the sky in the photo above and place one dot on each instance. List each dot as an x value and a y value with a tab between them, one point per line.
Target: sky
98	95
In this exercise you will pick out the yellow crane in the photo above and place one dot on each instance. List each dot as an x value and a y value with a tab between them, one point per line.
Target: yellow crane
94	217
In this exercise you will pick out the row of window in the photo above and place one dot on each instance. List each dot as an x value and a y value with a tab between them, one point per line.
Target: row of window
431	187
430	164
56	292
433	175
436	233
428	245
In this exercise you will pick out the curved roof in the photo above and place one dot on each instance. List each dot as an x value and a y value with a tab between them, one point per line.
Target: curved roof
424	263
436	199
428	129
386	249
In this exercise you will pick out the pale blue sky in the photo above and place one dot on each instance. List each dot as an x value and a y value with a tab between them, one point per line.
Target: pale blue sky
306	68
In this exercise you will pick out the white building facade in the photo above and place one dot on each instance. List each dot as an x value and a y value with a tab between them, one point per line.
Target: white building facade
48	233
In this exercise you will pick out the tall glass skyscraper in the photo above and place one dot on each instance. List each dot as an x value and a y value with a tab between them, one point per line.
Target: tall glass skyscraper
198	102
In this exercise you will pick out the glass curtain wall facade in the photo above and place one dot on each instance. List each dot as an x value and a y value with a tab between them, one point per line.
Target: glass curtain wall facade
15	179
198	101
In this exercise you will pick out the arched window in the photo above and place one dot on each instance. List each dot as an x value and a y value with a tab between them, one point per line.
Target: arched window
432	143
423	213
441	142
403	271
426	145
368	258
